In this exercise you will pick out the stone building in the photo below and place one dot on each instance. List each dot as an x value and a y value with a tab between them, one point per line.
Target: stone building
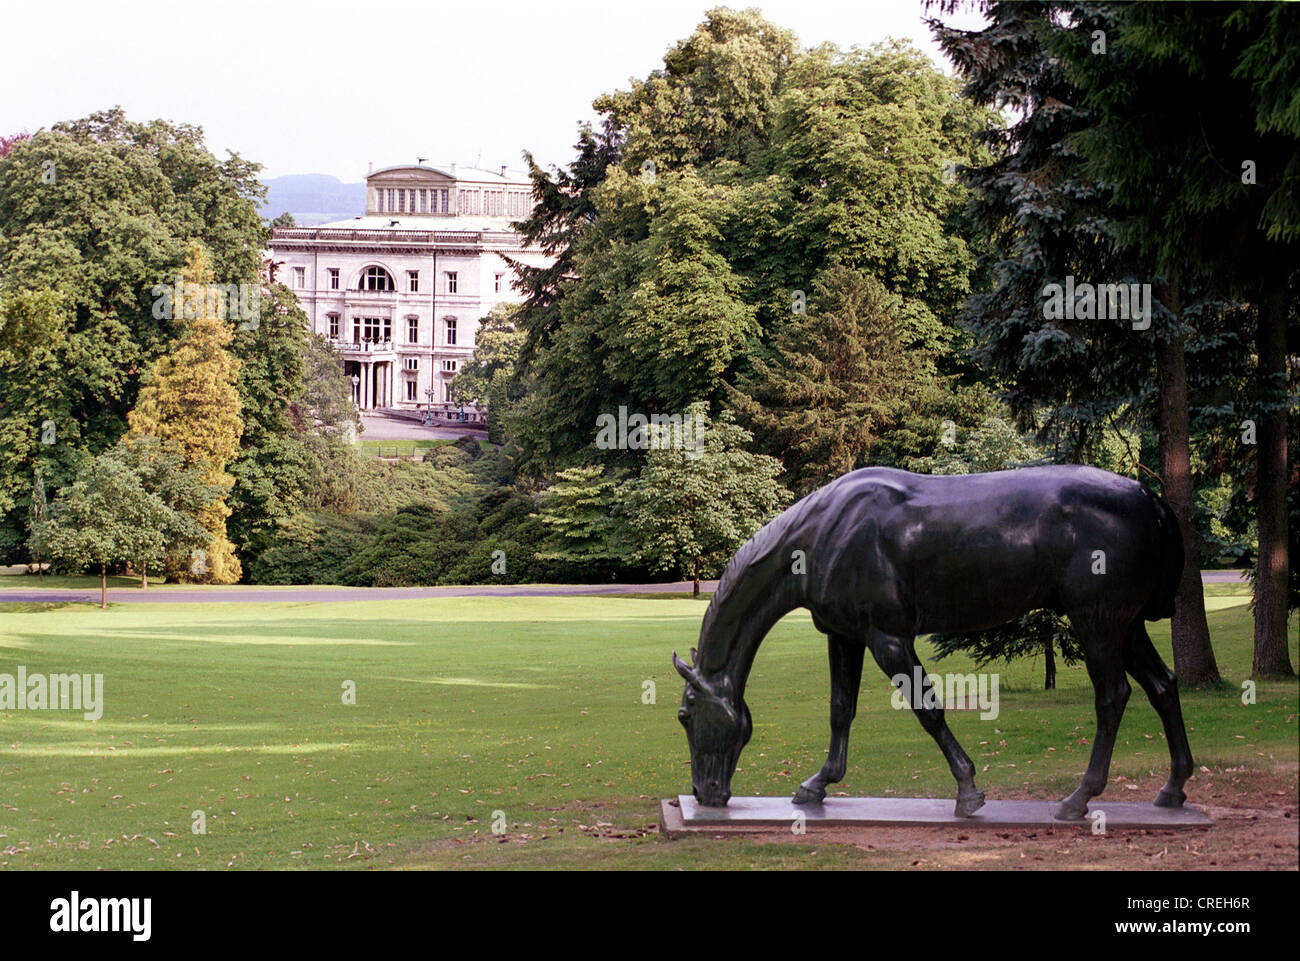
400	291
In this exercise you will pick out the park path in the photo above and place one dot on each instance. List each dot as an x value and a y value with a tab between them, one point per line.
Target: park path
272	595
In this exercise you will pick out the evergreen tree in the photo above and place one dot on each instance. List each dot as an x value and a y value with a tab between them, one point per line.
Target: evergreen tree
191	399
579	510
1195	126
1050	218
838	378
1038	632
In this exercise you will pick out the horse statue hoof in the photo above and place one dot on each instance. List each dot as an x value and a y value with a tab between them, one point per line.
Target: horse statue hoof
1069	812
1169	799
806	795
968	804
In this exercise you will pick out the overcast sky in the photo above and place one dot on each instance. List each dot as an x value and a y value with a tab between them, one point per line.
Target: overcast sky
328	87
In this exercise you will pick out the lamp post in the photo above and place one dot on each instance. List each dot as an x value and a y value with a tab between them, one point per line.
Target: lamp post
356	390
428	392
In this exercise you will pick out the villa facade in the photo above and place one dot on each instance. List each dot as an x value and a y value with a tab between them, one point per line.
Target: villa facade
400	291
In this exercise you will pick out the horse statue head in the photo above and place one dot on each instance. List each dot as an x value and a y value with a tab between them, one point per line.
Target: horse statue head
718	727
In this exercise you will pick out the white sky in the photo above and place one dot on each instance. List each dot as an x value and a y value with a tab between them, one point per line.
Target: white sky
328	87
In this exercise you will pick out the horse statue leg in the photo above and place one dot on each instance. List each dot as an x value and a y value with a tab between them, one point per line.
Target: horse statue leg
897	656
1103	655
1161	686
846	655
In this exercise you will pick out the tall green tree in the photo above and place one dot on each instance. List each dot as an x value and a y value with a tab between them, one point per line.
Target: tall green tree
838	377
273	467
1195	126
1050	217
99	211
39	431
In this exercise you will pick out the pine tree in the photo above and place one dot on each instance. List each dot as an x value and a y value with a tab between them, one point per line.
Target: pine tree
579	509
191	400
837	379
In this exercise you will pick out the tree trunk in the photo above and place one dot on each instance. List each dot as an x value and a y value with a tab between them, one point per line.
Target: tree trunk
144	575
103	586
1271	657
697	579
1049	682
1194	661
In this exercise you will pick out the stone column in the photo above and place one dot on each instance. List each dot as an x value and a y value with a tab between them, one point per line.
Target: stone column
366	370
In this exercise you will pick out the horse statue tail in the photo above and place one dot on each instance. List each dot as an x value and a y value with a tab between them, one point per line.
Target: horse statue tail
1161	603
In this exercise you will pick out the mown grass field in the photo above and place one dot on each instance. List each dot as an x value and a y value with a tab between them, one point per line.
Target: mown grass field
532	707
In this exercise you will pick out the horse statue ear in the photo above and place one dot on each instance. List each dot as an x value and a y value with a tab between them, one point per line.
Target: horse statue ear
691	674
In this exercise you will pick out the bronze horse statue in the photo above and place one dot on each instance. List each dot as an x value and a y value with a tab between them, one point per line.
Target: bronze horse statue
887	555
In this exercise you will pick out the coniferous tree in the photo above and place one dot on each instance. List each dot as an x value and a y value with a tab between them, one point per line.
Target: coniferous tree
579	510
191	399
837	379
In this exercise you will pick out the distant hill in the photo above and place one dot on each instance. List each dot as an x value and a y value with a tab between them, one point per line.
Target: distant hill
313	198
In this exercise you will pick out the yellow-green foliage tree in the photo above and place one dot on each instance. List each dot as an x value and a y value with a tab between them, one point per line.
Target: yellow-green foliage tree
191	399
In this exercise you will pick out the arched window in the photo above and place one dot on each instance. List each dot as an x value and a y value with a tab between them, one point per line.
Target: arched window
376	278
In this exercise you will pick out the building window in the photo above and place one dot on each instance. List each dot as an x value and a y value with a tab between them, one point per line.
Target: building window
374	329
497	282
411	363
449	366
410	390
412	330
334	326
451	330
300	277
451	281
444	201
379	201
334	278
391	208
446	392
422	200
413	280
376	278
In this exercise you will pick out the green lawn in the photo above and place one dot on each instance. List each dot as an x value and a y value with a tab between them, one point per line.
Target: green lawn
399	448
466	706
408	448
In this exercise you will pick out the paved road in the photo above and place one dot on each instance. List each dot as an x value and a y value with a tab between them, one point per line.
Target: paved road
209	595
385	427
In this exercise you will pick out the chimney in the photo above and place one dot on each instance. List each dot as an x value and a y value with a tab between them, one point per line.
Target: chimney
372	167
503	170
453	170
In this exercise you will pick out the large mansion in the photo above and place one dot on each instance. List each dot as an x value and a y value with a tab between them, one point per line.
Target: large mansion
400	291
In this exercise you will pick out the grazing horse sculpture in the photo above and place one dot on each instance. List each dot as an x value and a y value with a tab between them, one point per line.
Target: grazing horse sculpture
887	555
